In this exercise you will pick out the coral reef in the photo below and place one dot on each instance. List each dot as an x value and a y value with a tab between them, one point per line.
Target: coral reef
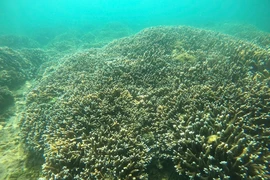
18	42
16	67
72	41
112	30
246	32
65	42
6	98
15	163
166	103
36	56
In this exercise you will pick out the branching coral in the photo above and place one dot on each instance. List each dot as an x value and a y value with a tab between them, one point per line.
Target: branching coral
130	109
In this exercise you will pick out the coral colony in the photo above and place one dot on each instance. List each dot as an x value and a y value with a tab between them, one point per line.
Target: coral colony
166	103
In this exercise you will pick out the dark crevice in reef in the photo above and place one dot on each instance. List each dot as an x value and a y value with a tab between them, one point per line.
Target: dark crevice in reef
160	169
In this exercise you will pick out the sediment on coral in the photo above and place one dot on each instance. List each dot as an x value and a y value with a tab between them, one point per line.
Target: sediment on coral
193	100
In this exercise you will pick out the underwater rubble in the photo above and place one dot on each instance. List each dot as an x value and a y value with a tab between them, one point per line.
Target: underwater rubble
166	103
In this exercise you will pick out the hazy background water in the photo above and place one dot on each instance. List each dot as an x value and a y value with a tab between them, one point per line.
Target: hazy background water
29	16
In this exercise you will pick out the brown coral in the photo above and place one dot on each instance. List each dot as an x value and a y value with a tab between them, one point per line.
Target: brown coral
130	110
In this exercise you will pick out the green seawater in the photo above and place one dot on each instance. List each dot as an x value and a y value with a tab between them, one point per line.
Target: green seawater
51	17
